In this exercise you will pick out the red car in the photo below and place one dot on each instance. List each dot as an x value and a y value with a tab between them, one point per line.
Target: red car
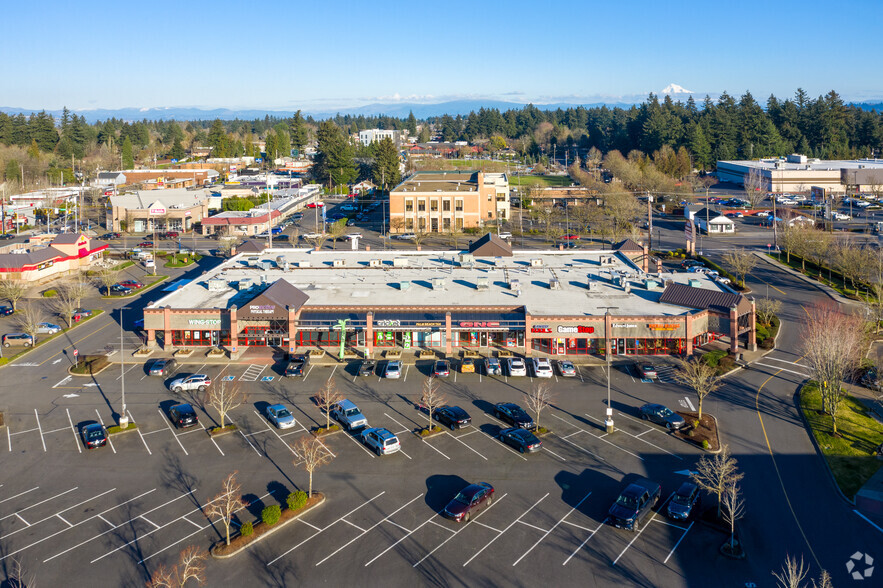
145	244
132	284
315	205
571	237
469	501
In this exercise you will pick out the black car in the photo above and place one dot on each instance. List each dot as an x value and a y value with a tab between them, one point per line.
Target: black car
634	503
442	368
452	417
183	416
656	413
469	501
367	367
297	366
94	435
120	289
514	415
681	505
5	310
520	439
162	367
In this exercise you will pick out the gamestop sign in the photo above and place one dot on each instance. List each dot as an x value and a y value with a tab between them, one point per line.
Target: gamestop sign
572	330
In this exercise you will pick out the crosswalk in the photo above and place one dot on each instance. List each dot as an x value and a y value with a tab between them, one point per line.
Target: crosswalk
783	365
252	372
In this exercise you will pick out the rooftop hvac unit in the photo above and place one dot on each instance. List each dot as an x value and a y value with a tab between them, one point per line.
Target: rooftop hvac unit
592	286
337	263
693	282
627	287
374	263
651	284
554	284
482	284
244	284
266	264
608	260
303	264
467	259
438	283
280	260
217	285
498	261
399	262
536	263
404	285
514	284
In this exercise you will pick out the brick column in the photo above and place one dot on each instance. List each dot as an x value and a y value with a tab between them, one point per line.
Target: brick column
734	329
369	334
151	337
608	321
646	265
752	325
449	348
528	340
234	330
167	328
292	329
688	334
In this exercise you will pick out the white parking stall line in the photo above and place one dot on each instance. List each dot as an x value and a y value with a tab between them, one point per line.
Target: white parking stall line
579	373
420	526
661	522
503	532
331	453
480	524
22	519
58	514
394	524
105	520
466	446
588	530
404	428
670	553
553	453
9	438
26	431
197	525
403	453
309	371
540	529
583	544
644	433
552	529
641	530
64	520
310	525
39	428
55	430
366	531
474	430
354	525
359	443
271	562
570	435
768	358
405	379
440	545
249	442
599	437
212	439
36	504
781	369
73	430
426	441
690	404
642	440
101	420
131	418
439	525
145	519
172	431
278	436
20	494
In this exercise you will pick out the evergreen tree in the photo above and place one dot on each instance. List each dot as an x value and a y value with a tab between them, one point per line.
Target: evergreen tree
127	156
424	137
283	142
412	124
13	171
42	130
334	159
216	136
177	150
385	170
699	146
298	132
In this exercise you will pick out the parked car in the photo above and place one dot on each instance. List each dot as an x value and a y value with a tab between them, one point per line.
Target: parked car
10	339
297	366
162	367
94	435
297	216
542	367
183	416
393	369
839	216
132	284
492	367
120	289
633	504
505	235
647	371
80	313
442	369
145	244
656	413
690	263
520	439
469	502
6	310
571	237
517	367
349	415
566	368
870	379
452	417
148	264
381	440
195	382
280	416
367	367
47	329
681	505
513	414
311	235
315	205
467	365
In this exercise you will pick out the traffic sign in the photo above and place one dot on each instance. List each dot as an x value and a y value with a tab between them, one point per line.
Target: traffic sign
76	352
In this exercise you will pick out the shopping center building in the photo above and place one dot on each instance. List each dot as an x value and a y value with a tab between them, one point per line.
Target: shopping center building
559	303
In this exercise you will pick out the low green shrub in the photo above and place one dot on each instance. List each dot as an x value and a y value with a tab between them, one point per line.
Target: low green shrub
50	293
90	364
246	529
713	357
705	444
296	500
761	332
271	514
425	431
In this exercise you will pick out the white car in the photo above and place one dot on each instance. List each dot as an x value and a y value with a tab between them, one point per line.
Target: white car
148	263
542	367
505	235
405	236
195	382
352	236
48	328
517	367
840	216
863	204
311	235
393	369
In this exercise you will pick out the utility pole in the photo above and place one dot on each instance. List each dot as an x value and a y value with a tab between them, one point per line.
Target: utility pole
124	418
608	422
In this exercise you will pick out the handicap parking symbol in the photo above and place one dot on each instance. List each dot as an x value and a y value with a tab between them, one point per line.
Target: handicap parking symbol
228	378
267	378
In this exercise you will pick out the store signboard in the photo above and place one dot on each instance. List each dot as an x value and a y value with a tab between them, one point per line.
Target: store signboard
664	327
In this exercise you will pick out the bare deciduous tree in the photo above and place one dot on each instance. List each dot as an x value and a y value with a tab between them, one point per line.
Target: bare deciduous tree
740	262
733	508
225	504
874	305
78	288
792	574
224	397
766	309
65	303
538	398
190	566
317	240
336	230
699	376
313	455
714	473
754	187
454	234
106	277
431	398
13	291
832	343
420	235
327	397
29	319
18	577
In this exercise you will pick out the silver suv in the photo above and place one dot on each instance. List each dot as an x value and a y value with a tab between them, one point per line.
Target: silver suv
349	415
381	441
195	382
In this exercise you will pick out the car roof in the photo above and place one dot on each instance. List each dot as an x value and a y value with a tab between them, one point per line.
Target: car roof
508	405
183	407
277	407
687	488
346	404
472	489
651	406
91	426
454	409
382	433
517	431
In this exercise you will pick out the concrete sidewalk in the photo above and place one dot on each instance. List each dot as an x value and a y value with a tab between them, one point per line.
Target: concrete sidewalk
830	292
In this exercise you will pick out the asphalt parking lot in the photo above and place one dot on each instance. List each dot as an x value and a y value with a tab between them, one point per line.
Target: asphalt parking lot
141	499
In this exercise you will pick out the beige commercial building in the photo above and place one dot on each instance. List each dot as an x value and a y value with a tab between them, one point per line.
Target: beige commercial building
797	173
438	201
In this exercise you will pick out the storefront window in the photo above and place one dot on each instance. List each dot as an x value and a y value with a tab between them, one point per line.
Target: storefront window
200	338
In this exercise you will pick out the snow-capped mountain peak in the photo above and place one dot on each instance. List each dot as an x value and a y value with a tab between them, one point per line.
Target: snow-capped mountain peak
676	89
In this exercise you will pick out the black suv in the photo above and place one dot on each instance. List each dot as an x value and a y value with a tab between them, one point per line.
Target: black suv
634	503
183	416
514	415
453	417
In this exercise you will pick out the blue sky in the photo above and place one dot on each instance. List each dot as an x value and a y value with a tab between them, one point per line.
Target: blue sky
286	55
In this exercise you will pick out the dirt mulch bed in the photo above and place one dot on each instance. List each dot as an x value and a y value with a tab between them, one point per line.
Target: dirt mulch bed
705	431
238	543
425	433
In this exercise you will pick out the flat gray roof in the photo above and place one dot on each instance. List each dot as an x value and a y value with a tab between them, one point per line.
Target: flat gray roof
811	164
354	282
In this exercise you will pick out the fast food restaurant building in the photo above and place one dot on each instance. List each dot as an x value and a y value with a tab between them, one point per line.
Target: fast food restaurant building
556	303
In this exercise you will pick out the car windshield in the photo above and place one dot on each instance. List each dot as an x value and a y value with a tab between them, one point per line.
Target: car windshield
665	412
352	412
461	497
627	501
683	499
283	413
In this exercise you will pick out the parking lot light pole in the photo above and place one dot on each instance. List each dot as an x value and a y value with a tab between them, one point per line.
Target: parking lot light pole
608	421
123	417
